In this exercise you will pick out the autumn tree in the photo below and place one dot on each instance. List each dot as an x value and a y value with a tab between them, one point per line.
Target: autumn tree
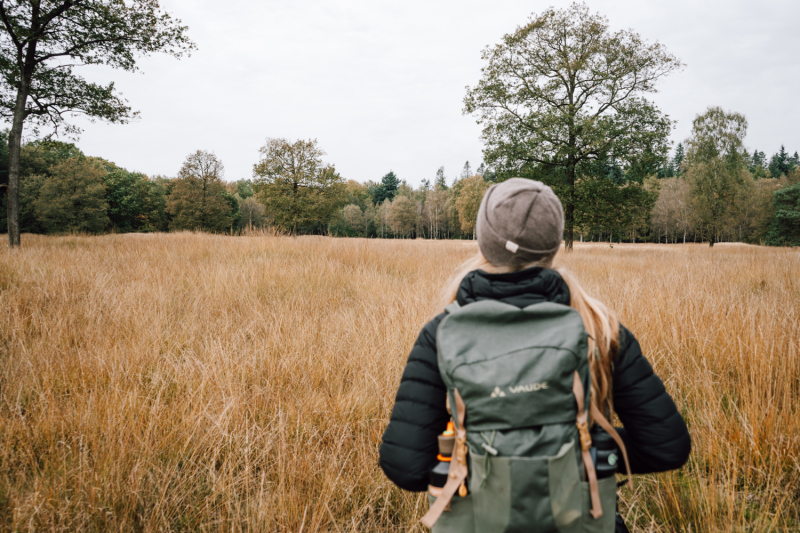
42	45
199	200
73	199
434	209
672	212
252	213
354	217
715	168
563	90
469	200
299	190
402	216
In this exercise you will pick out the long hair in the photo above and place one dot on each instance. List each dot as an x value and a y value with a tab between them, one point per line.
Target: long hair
599	321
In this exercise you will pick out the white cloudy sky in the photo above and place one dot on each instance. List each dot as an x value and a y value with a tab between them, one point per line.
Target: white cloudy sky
380	84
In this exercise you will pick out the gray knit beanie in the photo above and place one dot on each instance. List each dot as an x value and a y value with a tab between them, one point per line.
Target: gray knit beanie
519	221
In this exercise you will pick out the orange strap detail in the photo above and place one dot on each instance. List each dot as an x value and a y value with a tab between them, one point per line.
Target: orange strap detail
586	443
456	479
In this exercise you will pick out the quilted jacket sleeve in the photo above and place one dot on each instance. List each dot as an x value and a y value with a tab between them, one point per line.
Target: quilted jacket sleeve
655	433
409	447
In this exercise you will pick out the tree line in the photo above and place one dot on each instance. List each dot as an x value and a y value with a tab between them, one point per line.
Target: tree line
562	99
712	190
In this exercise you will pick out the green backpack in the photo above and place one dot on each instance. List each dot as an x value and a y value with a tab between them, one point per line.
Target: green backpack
516	378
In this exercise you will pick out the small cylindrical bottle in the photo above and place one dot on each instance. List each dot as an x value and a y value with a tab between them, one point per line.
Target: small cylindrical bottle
605	453
438	475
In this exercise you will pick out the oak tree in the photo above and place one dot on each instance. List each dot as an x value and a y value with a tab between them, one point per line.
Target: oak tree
299	190
199	200
42	44
563	90
73	198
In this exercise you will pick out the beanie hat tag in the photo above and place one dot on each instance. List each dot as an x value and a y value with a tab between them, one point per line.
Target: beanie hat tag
512	247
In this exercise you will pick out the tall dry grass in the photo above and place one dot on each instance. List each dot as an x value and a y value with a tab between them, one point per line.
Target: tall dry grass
204	383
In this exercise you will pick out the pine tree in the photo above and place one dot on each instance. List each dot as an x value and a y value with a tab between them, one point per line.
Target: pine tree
440	179
794	161
466	172
779	164
389	184
677	161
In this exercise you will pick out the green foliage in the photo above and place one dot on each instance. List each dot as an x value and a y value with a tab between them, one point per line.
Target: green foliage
349	222
72	199
29	189
244	188
42	44
403	216
387	190
564	90
233	205
299	191
134	202
358	194
785	230
440	180
757	164
606	207
39	157
781	163
677	160
252	213
716	170
199	200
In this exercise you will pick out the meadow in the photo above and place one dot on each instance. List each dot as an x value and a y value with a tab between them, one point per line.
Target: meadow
192	382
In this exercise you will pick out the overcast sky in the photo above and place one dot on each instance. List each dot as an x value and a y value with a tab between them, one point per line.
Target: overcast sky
381	84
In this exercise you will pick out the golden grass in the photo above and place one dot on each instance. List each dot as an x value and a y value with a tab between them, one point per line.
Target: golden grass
209	383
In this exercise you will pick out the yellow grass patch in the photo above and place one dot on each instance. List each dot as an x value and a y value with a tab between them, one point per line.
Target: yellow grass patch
209	383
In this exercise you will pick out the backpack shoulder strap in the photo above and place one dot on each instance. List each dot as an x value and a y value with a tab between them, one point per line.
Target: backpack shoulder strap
598	417
453	307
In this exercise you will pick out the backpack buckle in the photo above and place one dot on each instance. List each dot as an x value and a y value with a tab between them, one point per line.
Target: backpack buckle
586	438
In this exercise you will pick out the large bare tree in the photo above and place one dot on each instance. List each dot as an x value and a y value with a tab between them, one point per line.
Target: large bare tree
563	90
41	44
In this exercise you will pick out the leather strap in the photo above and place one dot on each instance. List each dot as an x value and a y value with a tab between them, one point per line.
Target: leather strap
586	442
458	468
598	417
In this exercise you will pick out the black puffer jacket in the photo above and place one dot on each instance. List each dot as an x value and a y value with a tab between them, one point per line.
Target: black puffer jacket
655	434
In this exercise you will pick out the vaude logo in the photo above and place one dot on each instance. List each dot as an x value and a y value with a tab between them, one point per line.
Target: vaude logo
533	387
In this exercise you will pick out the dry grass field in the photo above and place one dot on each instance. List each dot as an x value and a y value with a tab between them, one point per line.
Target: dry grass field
207	383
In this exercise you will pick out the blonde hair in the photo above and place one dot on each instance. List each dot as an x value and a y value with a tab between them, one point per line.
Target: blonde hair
600	322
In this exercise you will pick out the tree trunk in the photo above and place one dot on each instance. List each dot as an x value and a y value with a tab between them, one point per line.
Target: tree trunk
14	146
570	210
